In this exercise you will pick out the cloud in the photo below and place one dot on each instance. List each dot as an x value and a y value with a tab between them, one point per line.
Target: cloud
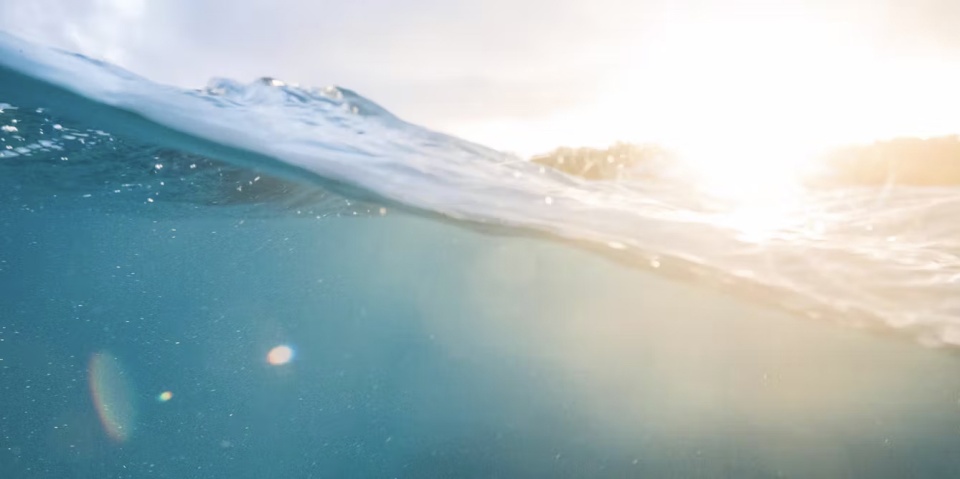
107	29
432	61
923	26
444	63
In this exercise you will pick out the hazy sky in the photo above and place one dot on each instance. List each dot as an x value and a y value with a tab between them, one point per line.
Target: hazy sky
527	75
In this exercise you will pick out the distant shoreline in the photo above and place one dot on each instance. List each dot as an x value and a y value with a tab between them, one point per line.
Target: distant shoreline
901	161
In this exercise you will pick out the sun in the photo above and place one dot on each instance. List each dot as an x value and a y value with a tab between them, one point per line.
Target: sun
749	106
751	103
750	99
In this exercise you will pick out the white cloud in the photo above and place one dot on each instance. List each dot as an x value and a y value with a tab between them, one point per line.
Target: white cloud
107	29
452	65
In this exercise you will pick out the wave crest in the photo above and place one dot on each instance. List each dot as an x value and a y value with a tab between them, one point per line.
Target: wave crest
881	257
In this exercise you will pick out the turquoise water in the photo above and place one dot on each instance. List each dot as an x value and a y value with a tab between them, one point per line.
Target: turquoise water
427	343
428	350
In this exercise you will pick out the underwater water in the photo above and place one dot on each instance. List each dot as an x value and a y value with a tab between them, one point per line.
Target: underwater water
451	311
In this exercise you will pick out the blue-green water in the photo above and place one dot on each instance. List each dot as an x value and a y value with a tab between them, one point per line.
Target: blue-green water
429	350
425	346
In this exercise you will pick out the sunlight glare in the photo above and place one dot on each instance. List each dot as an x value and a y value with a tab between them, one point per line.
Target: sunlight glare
749	105
749	102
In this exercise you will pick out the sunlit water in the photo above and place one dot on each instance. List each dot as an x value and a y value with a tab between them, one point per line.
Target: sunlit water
268	281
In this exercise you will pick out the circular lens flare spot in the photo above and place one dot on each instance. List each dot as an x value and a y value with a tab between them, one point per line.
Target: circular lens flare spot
165	396
280	355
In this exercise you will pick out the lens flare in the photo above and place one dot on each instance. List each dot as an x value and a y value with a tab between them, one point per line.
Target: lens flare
280	355
112	394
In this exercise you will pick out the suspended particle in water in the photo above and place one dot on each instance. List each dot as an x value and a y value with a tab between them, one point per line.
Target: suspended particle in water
165	396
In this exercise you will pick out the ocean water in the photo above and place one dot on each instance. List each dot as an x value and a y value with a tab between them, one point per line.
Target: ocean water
452	311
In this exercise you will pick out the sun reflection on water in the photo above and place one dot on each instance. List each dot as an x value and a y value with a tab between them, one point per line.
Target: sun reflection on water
759	196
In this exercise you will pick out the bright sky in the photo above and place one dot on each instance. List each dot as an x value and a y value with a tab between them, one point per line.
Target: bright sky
529	75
